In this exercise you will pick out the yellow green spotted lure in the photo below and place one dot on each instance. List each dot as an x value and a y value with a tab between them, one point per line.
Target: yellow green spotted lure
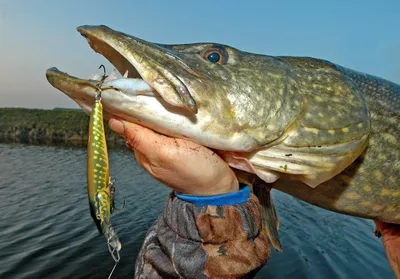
100	186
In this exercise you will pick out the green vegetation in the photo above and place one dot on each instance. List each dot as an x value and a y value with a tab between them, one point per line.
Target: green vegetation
58	126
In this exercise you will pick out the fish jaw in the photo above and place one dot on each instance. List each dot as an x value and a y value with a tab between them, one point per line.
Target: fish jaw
128	53
142	104
255	101
247	104
213	105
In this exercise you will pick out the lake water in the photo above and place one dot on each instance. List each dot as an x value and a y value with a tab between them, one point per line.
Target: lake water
47	232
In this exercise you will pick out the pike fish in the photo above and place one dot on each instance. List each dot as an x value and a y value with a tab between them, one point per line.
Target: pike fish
320	132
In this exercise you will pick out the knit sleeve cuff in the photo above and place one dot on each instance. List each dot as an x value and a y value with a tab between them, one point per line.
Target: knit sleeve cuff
238	197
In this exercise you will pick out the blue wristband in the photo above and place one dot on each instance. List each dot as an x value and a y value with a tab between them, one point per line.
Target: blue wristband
238	197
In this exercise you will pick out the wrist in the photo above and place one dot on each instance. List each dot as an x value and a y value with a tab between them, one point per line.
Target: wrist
230	186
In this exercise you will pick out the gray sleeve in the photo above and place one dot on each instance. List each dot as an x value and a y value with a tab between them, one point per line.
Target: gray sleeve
190	241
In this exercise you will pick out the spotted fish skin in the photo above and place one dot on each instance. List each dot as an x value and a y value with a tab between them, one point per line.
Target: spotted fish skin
98	179
370	186
306	126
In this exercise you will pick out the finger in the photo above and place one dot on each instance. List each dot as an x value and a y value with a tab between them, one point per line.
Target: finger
140	139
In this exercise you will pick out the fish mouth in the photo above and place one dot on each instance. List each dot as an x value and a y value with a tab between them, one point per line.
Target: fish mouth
141	67
155	85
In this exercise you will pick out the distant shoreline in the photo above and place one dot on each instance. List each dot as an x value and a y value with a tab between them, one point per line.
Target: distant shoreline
59	126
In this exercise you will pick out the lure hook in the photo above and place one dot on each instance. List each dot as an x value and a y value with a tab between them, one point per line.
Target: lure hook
112	194
122	207
104	69
100	83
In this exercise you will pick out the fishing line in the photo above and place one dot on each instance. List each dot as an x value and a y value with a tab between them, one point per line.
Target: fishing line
116	259
112	271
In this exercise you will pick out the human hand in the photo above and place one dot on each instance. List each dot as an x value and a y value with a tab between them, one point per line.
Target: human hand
391	242
186	167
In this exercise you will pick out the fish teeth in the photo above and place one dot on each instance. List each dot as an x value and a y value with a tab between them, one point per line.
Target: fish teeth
126	74
95	76
112	76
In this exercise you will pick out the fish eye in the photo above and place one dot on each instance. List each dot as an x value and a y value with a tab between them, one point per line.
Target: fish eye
215	55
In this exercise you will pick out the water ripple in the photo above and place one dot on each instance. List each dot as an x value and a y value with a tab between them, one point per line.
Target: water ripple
47	231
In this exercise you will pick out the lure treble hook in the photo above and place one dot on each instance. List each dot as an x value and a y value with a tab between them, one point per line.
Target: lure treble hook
104	76
112	195
100	83
122	207
104	69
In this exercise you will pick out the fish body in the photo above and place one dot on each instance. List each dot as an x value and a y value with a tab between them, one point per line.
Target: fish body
99	184
318	131
369	186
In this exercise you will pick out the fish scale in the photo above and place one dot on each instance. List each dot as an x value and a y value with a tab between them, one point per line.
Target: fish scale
320	132
257	109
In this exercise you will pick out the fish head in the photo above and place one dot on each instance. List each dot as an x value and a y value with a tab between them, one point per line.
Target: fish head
296	117
210	93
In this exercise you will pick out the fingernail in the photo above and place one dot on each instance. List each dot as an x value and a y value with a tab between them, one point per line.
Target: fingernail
128	145
117	126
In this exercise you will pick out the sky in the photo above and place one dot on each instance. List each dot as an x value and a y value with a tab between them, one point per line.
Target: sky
36	35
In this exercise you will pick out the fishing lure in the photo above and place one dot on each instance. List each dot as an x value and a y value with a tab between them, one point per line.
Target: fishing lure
100	186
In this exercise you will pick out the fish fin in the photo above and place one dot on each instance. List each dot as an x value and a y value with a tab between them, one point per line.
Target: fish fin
391	241
244	177
242	163
270	220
